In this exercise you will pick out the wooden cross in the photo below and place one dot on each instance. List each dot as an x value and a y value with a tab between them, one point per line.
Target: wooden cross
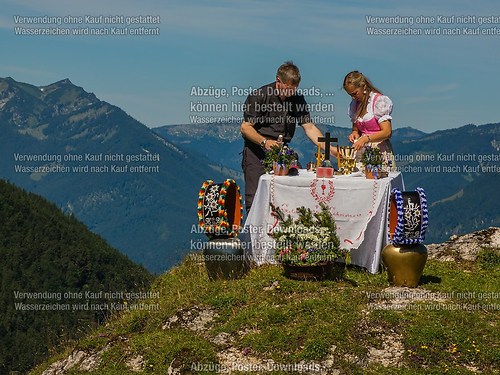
327	141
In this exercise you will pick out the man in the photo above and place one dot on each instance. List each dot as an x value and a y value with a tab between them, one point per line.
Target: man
269	112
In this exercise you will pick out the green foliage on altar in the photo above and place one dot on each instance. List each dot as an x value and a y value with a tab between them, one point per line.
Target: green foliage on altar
372	157
279	155
311	238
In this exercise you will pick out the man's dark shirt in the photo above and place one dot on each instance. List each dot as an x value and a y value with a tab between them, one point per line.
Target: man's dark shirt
271	116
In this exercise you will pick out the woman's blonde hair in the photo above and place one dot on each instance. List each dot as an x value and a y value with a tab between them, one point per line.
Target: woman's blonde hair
358	80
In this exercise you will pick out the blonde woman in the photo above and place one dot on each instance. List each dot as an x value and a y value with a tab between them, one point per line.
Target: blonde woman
370	113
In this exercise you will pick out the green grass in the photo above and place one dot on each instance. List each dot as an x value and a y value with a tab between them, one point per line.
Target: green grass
298	321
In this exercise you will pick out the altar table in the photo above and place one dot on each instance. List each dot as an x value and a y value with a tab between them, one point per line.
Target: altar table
359	206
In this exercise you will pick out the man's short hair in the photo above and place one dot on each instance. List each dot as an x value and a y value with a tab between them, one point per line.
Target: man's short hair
289	73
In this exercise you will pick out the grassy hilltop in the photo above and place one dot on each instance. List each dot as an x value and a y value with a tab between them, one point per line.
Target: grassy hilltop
266	323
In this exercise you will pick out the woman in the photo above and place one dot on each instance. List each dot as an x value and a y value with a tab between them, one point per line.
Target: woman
370	112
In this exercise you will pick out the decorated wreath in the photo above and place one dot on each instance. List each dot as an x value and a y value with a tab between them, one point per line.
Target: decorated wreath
408	217
220	209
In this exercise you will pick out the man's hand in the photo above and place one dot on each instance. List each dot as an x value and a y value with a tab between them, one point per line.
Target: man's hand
313	133
270	143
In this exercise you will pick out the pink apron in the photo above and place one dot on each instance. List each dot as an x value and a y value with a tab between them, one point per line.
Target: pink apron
371	126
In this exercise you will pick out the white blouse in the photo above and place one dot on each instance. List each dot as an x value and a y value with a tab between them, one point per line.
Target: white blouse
381	110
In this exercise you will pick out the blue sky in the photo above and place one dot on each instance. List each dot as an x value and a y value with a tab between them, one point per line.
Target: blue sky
436	82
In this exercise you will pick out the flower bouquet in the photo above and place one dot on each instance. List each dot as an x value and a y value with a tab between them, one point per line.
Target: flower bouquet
278	159
305	242
373	161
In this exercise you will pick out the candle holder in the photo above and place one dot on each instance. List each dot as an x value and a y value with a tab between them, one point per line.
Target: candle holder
346	157
320	157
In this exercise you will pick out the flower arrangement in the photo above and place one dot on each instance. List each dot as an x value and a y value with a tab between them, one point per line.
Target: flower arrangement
309	239
372	158
375	162
283	156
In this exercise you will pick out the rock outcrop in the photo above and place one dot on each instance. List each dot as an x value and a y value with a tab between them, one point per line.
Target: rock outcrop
465	247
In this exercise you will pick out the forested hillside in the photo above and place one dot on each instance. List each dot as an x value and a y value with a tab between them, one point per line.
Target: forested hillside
57	279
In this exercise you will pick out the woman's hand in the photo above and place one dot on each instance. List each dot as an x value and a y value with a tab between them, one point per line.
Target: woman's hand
353	136
361	142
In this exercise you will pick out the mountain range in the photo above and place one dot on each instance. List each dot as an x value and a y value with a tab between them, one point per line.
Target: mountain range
93	160
138	187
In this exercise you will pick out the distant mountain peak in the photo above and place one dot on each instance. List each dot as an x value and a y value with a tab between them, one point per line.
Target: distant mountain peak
65	81
27	106
62	84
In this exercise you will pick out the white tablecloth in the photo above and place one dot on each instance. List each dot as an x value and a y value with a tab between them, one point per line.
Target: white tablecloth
359	206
